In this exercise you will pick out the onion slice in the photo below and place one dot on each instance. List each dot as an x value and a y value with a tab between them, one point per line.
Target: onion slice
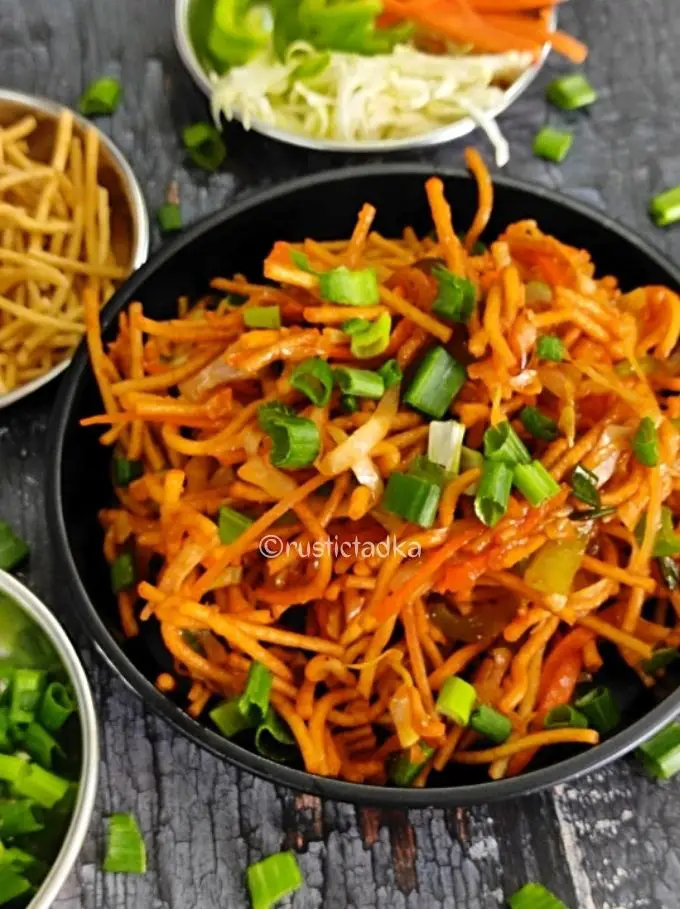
364	440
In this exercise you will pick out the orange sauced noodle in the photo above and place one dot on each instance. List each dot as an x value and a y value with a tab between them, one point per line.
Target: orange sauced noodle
359	641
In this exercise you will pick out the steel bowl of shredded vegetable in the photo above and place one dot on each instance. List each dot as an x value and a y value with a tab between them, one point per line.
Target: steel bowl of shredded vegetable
367	75
48	746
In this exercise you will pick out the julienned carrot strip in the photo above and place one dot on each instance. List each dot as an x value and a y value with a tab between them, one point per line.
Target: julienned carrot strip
527	742
511	6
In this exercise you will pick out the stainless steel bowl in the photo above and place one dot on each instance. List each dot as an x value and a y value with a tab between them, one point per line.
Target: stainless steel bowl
130	220
82	812
436	137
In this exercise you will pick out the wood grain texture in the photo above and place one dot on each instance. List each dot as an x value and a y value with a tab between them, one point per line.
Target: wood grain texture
611	841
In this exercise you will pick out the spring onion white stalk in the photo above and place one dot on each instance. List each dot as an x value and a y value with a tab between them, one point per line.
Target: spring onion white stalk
445	444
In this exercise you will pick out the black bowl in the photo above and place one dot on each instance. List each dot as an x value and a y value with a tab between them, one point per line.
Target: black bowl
238	239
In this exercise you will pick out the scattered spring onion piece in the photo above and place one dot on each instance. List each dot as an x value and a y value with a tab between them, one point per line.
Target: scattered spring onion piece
372	341
593	514
273	739
205	145
535	896
437	381
571	92
584	486
667	541
27	689
360	383
231	524
101	98
599	706
262	317
455	298
391	374
552	144
229	719
670	572
491	724
646	443
538	292
471	460
169	218
535	483
254	701
349	403
123	575
501	443
661	658
550	347
270	413
405	766
493	492
272	879
456	700
565	716
665	208
350	288
301	261
13	550
125	850
314	378
296	442
661	754
355	326
445	444
125	471
414	498
538	425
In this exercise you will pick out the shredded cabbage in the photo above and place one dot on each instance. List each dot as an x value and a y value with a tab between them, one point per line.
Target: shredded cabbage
354	98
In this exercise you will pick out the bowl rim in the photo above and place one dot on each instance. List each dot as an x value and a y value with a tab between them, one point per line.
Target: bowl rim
439	136
140	250
89	773
339	790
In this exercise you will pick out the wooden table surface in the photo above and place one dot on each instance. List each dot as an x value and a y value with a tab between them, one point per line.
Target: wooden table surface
611	841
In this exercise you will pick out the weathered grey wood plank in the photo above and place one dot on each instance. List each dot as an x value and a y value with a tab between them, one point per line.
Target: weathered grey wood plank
608	842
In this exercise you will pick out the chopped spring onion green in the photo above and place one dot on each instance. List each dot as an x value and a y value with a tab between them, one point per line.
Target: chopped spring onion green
501	443
445	444
123	575
205	145
355	326
538	292
360	383
593	514
350	288
571	92
40	745
665	208
667	541
13	550
349	403
455	298
12	884
471	460
493	492
272	879
101	98
670	572
12	767
661	658
538	425
314	378
296	442
405	766
229	719
550	347
27	689
6	736
437	381
301	260
552	144
535	483
565	715
426	469
169	217
312	66
646	443
125	849
391	374
414	498
374	340
535	896
56	706
661	754
125	471
254	701
262	317
600	708
269	414
273	739
231	524
41	786
491	724
584	486
456	700
19	816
